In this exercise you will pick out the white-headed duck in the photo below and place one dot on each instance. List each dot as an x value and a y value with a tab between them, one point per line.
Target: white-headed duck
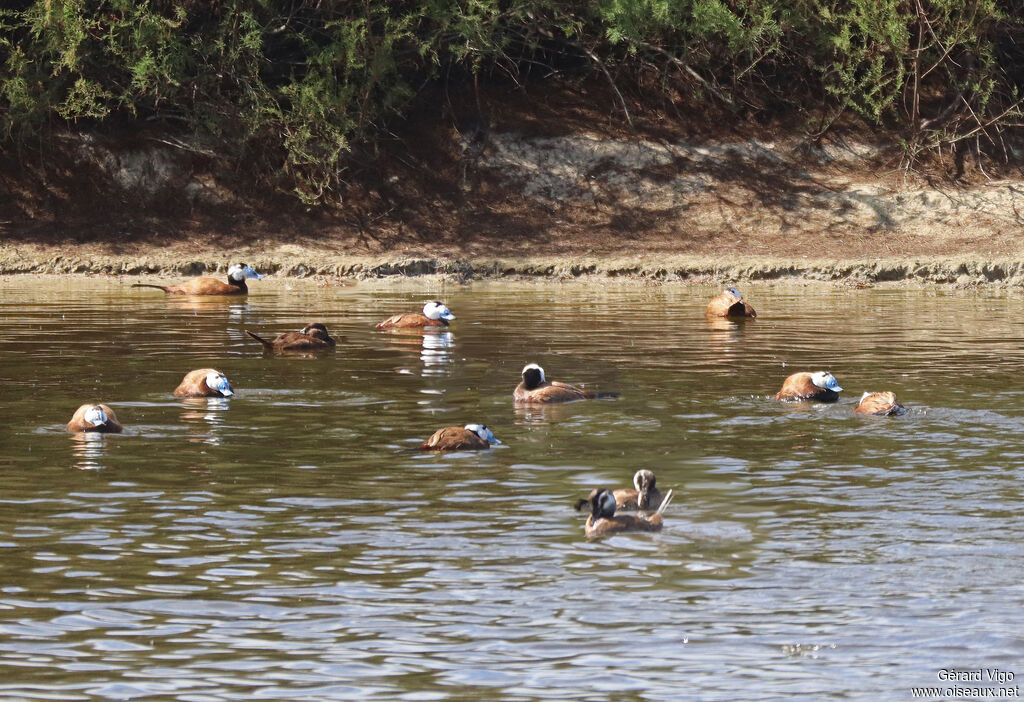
97	418
237	275
604	522
312	337
204	382
435	314
730	304
643	496
472	437
819	387
883	404
536	389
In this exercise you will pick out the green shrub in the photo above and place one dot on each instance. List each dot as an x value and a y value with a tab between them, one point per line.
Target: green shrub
295	85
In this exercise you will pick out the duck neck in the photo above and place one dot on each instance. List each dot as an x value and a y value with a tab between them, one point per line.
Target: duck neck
643	498
238	283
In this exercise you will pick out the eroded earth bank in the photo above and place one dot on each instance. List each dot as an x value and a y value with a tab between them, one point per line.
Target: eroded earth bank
519	197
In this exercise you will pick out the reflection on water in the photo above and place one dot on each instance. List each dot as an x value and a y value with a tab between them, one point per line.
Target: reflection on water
88	447
204	416
288	544
437	352
434	347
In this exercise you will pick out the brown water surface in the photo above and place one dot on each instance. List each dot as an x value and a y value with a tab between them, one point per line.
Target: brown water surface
288	543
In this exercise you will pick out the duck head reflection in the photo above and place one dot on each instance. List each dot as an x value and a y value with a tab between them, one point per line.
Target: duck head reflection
204	417
89	448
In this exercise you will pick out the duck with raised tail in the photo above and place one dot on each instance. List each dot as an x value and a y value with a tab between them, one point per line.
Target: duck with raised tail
237	275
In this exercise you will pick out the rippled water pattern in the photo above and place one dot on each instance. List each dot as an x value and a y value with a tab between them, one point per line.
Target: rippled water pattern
289	543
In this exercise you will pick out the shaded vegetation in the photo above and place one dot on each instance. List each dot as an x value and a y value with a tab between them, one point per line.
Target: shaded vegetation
298	89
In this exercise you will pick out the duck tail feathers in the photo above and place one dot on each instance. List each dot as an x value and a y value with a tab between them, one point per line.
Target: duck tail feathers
259	339
664	502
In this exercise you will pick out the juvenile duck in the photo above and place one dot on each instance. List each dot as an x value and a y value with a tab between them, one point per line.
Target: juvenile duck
237	275
435	314
472	437
819	387
644	496
604	522
730	304
883	404
312	337
536	389
98	418
204	382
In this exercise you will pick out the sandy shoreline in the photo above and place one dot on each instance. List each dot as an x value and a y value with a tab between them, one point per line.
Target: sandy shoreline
295	262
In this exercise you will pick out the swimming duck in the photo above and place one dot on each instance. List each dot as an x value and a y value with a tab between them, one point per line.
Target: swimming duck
820	387
204	382
472	437
604	522
535	388
730	304
237	275
644	496
312	337
435	314
883	404
98	418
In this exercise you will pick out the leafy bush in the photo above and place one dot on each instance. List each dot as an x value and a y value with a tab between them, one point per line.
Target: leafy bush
295	85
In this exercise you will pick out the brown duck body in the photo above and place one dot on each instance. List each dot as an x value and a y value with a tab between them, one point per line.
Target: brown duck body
313	337
536	389
800	387
879	403
553	391
202	286
454	439
79	424
619	523
194	384
411	320
603	521
728	304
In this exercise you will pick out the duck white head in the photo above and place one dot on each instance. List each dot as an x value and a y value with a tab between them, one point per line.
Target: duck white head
219	382
643	479
533	375
241	271
95	416
437	310
483	432
825	380
735	293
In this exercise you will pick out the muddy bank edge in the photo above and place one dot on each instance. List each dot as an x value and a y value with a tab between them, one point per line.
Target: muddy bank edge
960	272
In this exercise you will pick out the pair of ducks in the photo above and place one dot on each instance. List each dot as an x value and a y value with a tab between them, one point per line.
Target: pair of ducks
99	418
534	388
823	387
314	337
603	503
